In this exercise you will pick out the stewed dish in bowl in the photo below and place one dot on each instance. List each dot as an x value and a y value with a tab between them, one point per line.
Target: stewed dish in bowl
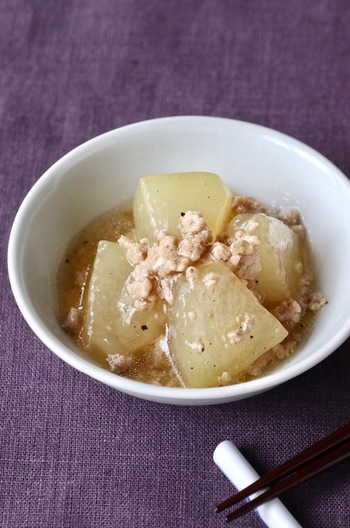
186	260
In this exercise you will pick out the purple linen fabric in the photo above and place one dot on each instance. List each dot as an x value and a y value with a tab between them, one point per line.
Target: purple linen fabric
74	453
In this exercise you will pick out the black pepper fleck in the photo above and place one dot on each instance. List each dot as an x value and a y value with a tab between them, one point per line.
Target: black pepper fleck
144	327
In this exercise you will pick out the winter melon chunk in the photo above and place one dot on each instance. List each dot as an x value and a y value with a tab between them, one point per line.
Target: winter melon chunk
282	256
217	328
161	199
105	329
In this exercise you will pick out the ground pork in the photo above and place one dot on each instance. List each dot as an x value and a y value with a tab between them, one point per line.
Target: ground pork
73	321
246	324
245	258
135	252
288	311
247	205
289	216
119	363
158	267
240	254
316	302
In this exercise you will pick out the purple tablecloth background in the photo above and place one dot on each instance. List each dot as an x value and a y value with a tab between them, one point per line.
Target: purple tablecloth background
74	453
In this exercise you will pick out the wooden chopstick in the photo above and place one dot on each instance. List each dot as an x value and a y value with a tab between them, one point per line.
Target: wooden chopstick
307	464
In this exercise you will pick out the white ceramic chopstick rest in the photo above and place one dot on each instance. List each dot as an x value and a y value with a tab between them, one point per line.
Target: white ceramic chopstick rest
238	470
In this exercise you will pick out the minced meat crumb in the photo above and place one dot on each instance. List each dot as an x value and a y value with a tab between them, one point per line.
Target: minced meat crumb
316	302
225	379
288	311
73	321
246	324
158	267
119	363
247	205
197	345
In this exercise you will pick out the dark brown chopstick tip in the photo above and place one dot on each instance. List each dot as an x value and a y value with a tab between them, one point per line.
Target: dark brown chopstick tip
297	470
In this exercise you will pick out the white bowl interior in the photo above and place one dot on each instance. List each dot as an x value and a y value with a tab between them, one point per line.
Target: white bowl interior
251	159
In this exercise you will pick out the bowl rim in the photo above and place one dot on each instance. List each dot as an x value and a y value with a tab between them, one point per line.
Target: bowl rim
133	387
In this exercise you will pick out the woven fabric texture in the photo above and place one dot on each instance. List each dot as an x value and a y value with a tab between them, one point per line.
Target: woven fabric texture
74	453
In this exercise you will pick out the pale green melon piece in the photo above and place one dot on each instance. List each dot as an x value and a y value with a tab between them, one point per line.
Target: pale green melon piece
161	199
282	256
204	319
104	328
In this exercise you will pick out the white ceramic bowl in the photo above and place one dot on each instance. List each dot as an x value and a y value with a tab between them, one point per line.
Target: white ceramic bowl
251	159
